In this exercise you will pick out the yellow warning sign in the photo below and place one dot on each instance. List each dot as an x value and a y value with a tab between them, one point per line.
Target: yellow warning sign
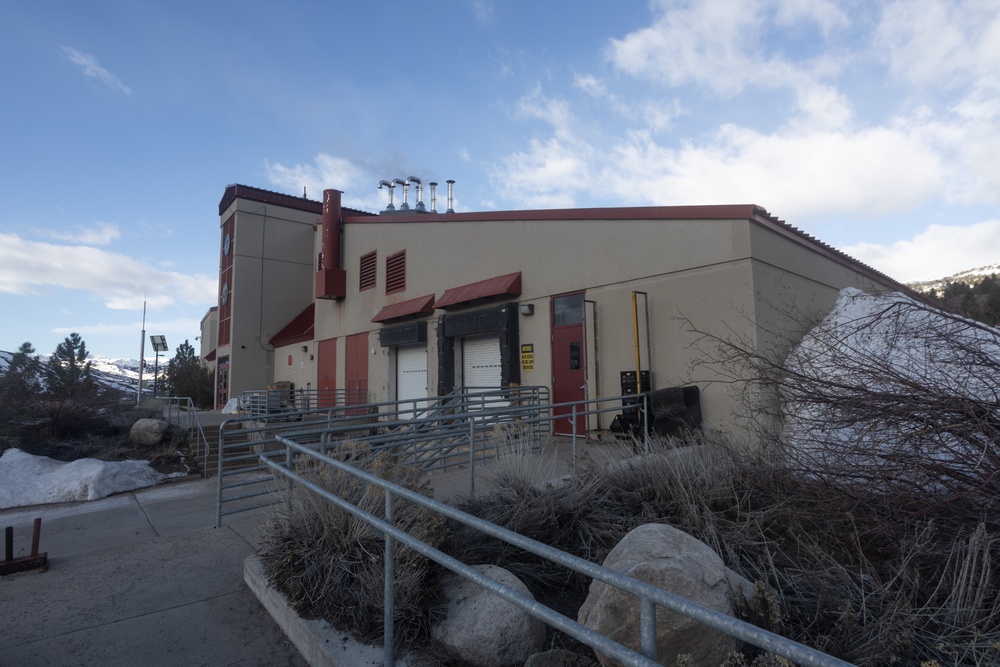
528	357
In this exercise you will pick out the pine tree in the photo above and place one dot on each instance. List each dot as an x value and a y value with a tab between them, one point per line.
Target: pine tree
69	372
21	385
186	376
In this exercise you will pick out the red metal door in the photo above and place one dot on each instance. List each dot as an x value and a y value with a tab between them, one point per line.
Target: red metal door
569	376
326	368
222	383
356	369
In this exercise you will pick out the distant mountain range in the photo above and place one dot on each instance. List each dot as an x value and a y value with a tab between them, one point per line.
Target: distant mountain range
970	277
120	374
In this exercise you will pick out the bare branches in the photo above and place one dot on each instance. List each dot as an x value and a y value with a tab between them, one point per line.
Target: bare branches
885	393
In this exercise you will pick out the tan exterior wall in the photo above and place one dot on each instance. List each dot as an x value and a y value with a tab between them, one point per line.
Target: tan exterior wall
209	336
728	277
273	273
695	268
296	363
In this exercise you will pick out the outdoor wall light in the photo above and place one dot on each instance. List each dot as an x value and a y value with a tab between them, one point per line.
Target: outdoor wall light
305	348
526	309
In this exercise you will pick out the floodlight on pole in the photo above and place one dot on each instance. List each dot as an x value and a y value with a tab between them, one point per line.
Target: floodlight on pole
142	354
159	345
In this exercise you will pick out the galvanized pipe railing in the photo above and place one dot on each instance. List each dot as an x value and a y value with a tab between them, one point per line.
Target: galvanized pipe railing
321	426
181	410
650	597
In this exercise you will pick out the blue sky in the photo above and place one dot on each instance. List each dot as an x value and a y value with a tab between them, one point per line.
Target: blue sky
872	126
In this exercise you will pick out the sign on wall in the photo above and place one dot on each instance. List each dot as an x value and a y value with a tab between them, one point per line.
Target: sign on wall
528	357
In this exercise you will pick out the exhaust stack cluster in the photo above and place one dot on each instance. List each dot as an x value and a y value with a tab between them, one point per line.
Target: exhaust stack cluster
419	206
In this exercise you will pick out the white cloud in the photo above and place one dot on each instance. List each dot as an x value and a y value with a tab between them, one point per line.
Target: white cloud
326	171
819	156
180	326
101	234
482	10
550	171
942	43
936	252
90	67
719	44
793	174
33	268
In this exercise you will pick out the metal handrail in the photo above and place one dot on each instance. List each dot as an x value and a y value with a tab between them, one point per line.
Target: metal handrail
171	403
455	425
649	596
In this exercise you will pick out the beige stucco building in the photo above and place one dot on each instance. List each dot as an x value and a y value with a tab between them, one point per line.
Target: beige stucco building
411	303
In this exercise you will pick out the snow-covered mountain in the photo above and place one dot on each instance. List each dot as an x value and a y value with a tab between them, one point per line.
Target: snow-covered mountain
971	276
120	374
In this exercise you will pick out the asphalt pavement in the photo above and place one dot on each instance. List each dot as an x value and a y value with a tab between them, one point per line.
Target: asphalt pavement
140	578
144	578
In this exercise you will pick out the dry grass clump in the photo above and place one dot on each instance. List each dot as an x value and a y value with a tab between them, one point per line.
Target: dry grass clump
869	577
330	564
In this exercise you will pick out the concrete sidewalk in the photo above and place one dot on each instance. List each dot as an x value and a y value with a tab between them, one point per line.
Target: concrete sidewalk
140	578
143	578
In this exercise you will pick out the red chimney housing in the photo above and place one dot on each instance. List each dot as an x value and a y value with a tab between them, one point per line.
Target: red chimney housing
331	280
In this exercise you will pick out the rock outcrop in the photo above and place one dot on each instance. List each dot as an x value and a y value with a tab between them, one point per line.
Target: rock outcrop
485	630
674	561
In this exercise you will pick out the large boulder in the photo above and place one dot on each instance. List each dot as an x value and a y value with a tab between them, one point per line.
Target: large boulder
153	433
483	629
674	561
559	658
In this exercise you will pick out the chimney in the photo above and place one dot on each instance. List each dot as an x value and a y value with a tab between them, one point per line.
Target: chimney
451	196
331	280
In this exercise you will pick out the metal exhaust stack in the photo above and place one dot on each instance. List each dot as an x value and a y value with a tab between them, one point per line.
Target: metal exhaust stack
434	197
389	185
405	206
420	194
451	196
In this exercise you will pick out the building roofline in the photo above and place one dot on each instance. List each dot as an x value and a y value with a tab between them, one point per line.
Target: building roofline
750	212
236	191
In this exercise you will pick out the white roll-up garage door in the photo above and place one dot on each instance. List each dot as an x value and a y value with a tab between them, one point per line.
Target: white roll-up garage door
411	376
481	362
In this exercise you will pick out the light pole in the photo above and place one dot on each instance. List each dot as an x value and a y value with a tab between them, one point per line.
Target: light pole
159	345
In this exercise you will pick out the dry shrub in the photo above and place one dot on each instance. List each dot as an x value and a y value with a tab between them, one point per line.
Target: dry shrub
330	564
870	578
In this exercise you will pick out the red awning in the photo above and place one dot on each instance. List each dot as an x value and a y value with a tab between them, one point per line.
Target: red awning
210	356
299	330
422	305
492	288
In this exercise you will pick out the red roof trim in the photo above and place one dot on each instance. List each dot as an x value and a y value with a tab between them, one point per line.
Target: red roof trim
422	305
504	286
210	356
299	330
708	212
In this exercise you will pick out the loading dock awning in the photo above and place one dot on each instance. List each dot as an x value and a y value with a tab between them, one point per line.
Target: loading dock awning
501	287
422	305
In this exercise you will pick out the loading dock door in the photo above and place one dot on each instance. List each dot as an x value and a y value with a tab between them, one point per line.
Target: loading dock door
481	362
411	376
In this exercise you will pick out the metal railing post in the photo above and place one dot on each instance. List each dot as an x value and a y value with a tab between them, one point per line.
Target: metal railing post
218	504
289	488
389	603
647	627
472	457
645	422
574	437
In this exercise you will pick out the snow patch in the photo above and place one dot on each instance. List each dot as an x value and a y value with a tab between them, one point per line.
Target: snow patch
26	479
